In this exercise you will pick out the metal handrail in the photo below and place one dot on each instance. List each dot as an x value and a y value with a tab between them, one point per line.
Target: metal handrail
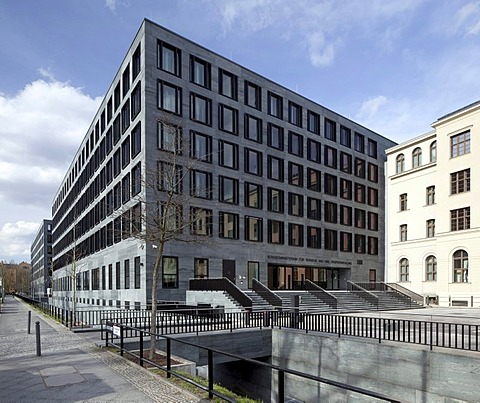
363	293
267	294
405	292
319	293
221	284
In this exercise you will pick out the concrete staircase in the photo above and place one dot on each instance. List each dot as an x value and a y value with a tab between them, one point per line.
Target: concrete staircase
258	303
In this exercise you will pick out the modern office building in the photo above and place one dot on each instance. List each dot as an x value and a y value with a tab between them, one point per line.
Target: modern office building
282	189
41	260
433	235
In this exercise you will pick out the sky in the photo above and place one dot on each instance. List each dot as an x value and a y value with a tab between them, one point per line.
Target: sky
394	66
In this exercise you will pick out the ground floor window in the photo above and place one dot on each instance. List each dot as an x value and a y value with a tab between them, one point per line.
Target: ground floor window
431	268
295	277
404	269
200	268
460	267
253	272
170	272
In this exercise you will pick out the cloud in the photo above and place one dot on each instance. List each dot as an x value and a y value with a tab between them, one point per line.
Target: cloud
16	238
467	19
320	54
113	4
371	106
41	128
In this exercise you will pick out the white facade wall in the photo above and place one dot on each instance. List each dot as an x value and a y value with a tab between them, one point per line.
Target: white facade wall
414	182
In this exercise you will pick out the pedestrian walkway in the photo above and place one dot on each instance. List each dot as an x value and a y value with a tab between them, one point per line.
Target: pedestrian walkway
71	367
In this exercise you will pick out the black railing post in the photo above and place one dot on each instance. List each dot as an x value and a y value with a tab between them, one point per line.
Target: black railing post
121	340
141	348
106	334
281	386
169	357
210	374
431	335
29	321
37	336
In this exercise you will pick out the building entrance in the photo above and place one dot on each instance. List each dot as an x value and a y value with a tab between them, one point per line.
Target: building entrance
294	277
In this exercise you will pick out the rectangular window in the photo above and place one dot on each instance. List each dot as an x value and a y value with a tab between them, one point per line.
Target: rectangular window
330	130
314	208
136	140
372	245
359	168
253	95
275	136
136	265
169	272
372	172
227	119
253	229
228	190
253	195
360	246
360	218
295	174
126	152
200	268
253	162
201	221
346	215
116	130
345	162
295	234
201	184
228	225
295	204
169	58
276	232
275	105
403	202
295	144
275	200
314	237
345	137
228	84
117	97
330	157
346	241
313	122
136	63
200	146
460	181
200	109
96	279
169	97
359	142
253	272
430	195
110	277
331	212
403	232
294	114
228	154
136	179
330	184
372	221
372	148
313	179
126	273
372	197
430	228
200	72
126	188
253	128
118	279
136	100
460	219
345	189
460	144
330	239
314	152
360	193
170	177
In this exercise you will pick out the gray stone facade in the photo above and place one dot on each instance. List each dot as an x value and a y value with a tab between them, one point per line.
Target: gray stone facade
41	260
339	232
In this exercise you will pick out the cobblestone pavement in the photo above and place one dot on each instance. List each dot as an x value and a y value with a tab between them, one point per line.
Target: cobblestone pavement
71	367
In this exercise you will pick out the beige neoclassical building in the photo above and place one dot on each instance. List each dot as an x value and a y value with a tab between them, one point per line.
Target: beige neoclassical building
433	225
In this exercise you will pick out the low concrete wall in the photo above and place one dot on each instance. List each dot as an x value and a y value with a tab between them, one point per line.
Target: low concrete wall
408	373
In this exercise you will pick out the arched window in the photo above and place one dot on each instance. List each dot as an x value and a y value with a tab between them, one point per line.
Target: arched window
433	151
431	268
417	157
400	163
460	266
404	269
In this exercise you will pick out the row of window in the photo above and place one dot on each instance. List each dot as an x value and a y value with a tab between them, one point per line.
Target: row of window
459	268
170	60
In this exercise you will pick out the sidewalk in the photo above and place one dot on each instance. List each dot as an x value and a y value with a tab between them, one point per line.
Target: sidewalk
71	368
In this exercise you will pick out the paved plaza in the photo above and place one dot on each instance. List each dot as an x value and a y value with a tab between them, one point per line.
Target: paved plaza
71	368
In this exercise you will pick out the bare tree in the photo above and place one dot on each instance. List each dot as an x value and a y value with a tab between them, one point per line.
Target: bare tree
163	211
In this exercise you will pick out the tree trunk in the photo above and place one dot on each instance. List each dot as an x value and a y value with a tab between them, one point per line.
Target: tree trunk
153	320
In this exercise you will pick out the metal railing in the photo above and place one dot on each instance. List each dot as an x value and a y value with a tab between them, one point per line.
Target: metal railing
117	332
321	294
405	292
221	284
362	293
267	294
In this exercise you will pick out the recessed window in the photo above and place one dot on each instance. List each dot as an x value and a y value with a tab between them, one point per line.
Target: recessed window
201	184
360	215
345	162
228	154
403	202
276	200
136	100
372	172
372	245
295	174
372	197
136	179
372	148
200	109
275	168
295	144
314	208
117	97
200	72
136	63
345	137
346	244
433	151
417	157
295	204
253	128
431	268
460	267
295	234
313	179
330	130
430	195
400	163
295	114
430	228
253	229
359	142
360	241
330	184
331	212
460	181
460	144
125	116
136	140
200	268
200	146
169	272
403	232
253	95
169	177
330	239
313	122
169	58
372	221
169	137
275	105
228	225
346	215
314	237
126	152
228	190
404	269
460	219
126	81
253	162
228	84
201	221
345	189
169	97
359	167
360	193
228	119
313	151
276	232
253	195
275	136
330	157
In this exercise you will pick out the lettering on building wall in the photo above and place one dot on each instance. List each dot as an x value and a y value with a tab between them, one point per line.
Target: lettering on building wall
309	260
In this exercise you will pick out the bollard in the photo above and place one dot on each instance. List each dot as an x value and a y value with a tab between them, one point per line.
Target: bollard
37	332
29	321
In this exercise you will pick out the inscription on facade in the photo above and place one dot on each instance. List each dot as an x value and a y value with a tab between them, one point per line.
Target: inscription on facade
309	260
